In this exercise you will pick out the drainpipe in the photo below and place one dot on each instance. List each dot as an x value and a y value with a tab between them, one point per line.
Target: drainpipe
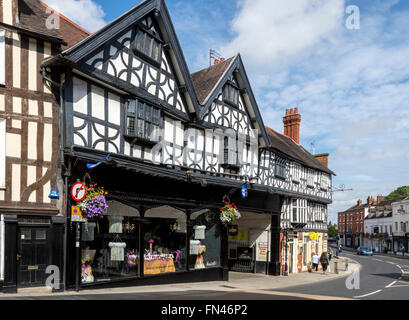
67	173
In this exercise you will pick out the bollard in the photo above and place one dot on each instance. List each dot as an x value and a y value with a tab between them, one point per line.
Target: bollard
346	264
336	267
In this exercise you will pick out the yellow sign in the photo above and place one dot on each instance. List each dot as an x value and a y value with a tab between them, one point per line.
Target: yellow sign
241	236
76	215
314	236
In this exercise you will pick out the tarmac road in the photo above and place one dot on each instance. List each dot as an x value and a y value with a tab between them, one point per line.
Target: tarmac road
379	279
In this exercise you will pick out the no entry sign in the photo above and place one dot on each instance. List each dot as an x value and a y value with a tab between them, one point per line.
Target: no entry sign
78	191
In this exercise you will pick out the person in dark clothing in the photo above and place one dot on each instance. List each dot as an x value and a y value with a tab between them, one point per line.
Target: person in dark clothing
324	261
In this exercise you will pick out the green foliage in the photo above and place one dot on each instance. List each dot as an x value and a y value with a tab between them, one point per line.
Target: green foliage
332	230
400	192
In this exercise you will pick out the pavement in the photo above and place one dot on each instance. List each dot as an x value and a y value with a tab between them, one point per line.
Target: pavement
247	286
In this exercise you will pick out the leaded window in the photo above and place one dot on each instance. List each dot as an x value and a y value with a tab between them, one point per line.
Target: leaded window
295	211
324	182
310	178
296	172
231	94
147	44
143	120
280	167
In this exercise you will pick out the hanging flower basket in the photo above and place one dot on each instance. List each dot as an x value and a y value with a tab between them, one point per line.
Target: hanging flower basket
229	213
94	205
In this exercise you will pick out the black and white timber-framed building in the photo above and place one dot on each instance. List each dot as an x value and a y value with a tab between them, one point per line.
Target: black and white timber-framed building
178	146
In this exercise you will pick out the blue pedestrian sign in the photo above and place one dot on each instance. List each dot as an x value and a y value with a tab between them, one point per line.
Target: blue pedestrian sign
244	191
92	166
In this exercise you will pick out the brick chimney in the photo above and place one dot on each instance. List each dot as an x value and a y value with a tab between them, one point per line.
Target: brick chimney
292	122
323	158
9	12
379	199
370	200
359	202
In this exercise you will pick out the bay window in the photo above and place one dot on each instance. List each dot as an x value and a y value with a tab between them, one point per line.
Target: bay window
143	120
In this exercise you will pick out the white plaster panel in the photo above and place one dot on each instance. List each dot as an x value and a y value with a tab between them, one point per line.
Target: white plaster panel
114	109
80	96
98	102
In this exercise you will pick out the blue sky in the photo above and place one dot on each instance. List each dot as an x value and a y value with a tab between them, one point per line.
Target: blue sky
351	86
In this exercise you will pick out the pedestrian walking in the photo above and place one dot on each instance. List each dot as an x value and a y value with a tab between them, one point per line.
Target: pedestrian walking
330	253
315	261
324	262
403	250
340	250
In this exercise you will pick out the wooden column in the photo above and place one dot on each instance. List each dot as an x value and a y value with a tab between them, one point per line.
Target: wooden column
275	264
10	254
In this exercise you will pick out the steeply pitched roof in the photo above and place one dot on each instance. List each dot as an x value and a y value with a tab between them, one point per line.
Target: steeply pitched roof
206	80
287	146
33	17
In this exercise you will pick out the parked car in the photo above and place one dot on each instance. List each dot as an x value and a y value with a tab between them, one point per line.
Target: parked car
365	251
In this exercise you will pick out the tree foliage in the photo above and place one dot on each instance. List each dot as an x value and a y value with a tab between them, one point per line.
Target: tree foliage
400	192
332	230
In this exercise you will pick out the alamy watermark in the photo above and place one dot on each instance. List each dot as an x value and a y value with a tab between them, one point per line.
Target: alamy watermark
353	282
53	280
353	21
219	146
53	20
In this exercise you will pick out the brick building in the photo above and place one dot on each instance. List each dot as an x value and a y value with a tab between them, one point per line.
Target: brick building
351	222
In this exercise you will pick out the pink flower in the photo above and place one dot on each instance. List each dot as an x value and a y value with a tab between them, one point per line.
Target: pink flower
151	241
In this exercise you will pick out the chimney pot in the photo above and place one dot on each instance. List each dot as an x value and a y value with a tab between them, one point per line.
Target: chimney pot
292	125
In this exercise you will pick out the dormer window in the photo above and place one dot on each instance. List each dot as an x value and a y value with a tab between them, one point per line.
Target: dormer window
143	121
231	94
148	45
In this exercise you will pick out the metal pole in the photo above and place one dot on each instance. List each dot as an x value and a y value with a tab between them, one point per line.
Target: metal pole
66	175
77	255
286	253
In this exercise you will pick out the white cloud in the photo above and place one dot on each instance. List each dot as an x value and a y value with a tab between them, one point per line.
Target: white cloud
351	87
86	13
272	31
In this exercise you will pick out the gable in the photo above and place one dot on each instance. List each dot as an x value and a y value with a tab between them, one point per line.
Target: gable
223	114
122	59
242	115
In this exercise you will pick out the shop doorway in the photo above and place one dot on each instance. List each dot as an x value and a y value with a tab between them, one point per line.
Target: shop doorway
291	257
33	256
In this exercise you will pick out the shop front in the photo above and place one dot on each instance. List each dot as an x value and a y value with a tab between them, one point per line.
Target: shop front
159	230
249	243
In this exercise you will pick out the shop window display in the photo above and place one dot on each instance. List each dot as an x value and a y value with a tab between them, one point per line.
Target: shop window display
110	245
165	241
205	240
